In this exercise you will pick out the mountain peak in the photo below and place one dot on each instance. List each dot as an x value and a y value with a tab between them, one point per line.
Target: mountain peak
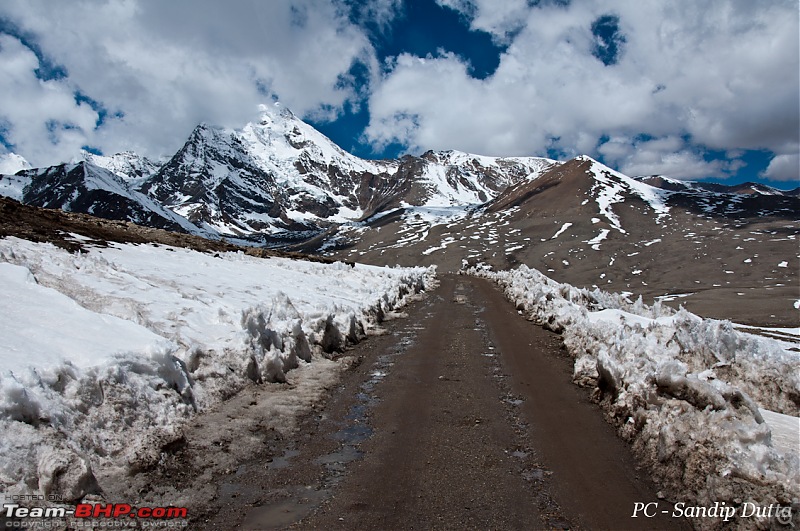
275	110
127	165
11	163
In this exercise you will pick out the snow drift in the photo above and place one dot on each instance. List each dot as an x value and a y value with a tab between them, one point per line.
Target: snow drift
105	355
686	391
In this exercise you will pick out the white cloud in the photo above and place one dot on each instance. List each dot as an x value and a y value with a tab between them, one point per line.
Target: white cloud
669	156
725	73
41	116
499	18
684	164
408	107
547	85
381	13
783	168
167	66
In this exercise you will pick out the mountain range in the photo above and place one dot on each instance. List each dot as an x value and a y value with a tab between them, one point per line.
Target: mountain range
279	182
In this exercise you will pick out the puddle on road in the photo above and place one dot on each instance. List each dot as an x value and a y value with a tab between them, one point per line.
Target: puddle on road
281	514
353	434
283	461
534	474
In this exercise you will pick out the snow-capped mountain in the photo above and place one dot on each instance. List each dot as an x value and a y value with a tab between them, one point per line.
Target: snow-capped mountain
11	163
677	185
279	182
584	223
282	178
86	188
660	193
274	181
127	165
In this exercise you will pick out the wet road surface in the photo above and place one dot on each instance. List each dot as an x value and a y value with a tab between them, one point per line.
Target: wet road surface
462	416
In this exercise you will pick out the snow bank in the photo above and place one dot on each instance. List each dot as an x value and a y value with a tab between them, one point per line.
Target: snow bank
104	355
686	391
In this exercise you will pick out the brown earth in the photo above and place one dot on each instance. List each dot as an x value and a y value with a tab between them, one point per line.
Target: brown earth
56	227
743	267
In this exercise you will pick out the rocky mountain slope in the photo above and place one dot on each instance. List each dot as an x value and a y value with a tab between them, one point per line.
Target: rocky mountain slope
278	182
721	254
272	182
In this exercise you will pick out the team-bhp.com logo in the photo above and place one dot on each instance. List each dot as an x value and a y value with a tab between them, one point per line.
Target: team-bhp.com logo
16	515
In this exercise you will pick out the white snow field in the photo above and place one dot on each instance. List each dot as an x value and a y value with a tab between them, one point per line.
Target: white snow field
105	355
686	391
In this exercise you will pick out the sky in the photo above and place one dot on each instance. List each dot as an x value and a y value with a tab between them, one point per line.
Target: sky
690	89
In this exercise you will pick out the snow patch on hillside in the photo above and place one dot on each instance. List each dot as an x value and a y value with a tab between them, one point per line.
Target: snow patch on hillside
11	185
610	186
104	356
597	240
560	231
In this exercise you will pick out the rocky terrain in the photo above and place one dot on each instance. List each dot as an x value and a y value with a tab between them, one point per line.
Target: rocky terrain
728	252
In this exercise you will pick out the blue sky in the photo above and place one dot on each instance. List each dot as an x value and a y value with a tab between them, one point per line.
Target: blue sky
692	90
423	28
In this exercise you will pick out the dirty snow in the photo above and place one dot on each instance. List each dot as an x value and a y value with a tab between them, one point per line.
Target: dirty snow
686	391
105	355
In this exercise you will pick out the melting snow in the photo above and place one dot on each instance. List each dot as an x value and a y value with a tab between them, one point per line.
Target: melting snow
564	227
610	186
679	386
673	296
595	242
101	354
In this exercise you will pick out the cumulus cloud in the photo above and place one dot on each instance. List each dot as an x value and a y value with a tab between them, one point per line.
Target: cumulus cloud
408	109
586	76
722	74
42	116
784	168
159	68
668	156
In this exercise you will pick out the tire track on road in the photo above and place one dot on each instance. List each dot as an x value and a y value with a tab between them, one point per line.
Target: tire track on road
479	426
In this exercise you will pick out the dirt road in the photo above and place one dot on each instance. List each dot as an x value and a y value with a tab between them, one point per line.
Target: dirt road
462	416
